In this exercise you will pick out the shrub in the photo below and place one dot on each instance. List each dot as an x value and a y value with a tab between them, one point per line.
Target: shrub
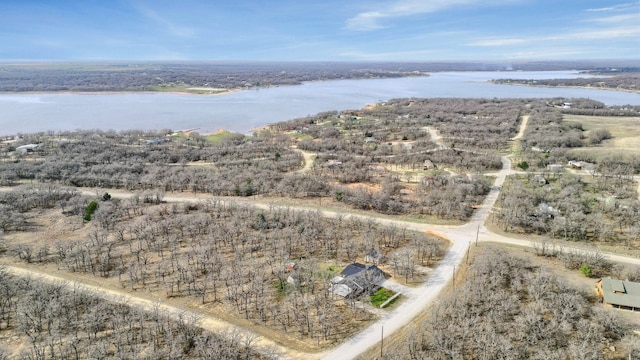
597	135
91	208
523	165
586	270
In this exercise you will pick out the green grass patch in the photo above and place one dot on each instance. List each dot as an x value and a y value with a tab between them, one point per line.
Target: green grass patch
281	289
179	136
299	136
219	137
379	297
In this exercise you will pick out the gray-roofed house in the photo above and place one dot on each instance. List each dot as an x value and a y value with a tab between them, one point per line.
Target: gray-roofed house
356	279
621	294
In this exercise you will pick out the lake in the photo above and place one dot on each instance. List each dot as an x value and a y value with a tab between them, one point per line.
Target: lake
245	110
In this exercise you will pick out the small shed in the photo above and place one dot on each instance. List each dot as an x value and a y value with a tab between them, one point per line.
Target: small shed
428	165
540	180
575	164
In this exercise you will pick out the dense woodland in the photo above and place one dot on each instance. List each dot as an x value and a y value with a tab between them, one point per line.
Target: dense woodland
370	159
377	156
508	309
61	321
231	258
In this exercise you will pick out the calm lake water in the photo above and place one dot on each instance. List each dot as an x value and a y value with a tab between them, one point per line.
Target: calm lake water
246	110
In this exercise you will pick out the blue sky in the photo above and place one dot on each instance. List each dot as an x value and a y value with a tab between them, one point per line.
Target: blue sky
332	30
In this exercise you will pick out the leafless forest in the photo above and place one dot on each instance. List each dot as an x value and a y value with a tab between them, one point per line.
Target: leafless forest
57	321
425	158
506	308
230	258
369	159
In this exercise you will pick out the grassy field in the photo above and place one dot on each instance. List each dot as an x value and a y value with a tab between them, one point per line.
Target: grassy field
624	130
188	89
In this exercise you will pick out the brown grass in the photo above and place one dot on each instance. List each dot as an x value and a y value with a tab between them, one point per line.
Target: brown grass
624	130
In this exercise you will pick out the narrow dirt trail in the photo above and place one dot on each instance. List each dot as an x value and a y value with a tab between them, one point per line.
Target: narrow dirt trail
435	136
308	160
523	127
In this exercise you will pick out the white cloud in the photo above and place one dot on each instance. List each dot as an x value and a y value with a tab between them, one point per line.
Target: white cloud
366	21
497	42
611	33
620	7
169	26
603	34
617	19
369	20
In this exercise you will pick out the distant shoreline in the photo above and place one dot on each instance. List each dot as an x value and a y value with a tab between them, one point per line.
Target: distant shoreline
116	92
637	91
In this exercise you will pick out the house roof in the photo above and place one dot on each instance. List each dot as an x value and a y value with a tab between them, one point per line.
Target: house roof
341	289
621	292
353	269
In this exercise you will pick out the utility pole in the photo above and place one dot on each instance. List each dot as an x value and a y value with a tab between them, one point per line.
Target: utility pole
381	341
477	234
453	279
